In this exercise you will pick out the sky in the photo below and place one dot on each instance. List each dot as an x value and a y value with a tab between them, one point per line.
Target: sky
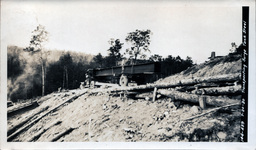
178	27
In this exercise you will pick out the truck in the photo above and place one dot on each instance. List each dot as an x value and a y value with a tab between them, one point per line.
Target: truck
122	75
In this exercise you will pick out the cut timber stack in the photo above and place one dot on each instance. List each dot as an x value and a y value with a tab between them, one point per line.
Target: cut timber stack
203	91
228	90
193	98
176	83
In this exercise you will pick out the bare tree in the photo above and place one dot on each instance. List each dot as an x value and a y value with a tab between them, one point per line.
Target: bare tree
39	37
66	61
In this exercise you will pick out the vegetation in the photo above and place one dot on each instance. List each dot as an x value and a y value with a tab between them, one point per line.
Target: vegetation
64	69
35	71
114	50
39	36
177	65
140	41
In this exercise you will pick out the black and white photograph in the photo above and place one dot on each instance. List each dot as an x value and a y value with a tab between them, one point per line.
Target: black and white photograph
108	74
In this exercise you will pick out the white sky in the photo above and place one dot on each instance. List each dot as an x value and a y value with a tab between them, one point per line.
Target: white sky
179	28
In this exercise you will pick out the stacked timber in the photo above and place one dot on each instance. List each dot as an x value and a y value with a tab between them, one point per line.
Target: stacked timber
227	78
213	90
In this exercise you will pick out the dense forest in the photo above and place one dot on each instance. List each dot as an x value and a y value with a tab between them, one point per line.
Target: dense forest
63	69
66	69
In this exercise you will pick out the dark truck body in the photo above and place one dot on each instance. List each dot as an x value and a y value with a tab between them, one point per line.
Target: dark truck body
140	73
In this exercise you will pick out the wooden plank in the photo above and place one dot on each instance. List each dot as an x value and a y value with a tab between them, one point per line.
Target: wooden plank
202	102
154	94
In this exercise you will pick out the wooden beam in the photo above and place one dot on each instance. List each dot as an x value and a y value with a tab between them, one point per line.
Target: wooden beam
202	102
154	94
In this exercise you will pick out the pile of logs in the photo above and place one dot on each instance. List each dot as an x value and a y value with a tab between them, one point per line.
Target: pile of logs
204	91
213	91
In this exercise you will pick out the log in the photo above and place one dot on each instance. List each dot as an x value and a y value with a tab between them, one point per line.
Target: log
38	135
21	106
62	134
15	134
187	82
185	88
193	98
204	85
229	90
211	111
20	124
220	78
105	84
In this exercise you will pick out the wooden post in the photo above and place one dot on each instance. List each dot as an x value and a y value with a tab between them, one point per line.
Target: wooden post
202	102
154	94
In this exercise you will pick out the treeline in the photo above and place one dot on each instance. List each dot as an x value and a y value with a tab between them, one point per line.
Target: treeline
34	71
169	65
172	65
64	70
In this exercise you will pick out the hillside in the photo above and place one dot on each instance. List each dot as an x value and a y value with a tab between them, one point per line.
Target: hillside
112	115
229	64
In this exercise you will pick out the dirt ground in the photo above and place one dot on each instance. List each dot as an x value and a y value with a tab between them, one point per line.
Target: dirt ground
113	118
104	118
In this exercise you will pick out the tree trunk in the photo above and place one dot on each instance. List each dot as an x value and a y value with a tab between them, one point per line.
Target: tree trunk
228	90
210	100
63	83
178	83
43	72
43	77
66	76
